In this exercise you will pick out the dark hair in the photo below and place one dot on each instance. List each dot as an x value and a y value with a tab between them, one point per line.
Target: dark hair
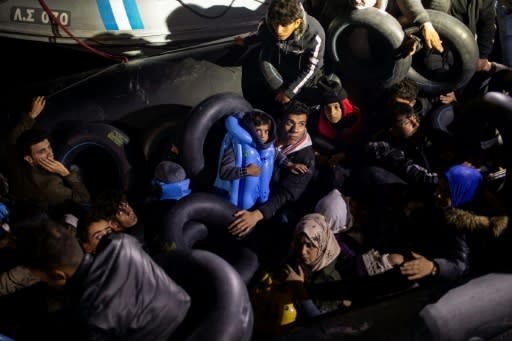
406	89
107	203
398	111
296	108
284	12
56	247
82	230
29	138
259	119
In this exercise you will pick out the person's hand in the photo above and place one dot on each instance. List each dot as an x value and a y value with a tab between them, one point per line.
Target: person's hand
239	40
395	259
431	37
417	268
38	104
282	98
409	46
54	166
448	98
244	222
253	169
292	275
483	65
298	168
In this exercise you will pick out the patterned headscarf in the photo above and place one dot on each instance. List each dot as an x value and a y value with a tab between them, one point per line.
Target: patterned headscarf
316	229
463	182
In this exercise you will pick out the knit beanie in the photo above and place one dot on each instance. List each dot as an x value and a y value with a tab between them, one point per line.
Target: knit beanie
331	89
169	172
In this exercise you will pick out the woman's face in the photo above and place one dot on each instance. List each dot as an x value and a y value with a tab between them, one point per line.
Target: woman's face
333	112
307	251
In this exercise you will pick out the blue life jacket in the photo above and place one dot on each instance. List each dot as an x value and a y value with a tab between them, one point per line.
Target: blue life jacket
245	192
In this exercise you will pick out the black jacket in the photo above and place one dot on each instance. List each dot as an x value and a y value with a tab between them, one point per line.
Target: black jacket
299	58
286	186
124	295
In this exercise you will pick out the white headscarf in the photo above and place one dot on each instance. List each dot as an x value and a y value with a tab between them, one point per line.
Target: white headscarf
335	209
314	226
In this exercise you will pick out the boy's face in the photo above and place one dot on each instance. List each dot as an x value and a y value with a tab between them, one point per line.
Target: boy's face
405	126
333	112
284	31
295	127
262	132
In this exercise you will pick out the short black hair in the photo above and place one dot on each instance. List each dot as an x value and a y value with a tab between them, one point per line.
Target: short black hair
82	230
107	203
284	12
406	89
28	138
296	108
259	119
399	110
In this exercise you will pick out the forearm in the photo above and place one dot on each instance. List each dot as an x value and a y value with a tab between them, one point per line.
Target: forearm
25	124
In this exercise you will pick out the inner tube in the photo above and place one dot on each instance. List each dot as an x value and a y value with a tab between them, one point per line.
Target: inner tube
188	220
107	138
200	120
438	74
220	307
383	64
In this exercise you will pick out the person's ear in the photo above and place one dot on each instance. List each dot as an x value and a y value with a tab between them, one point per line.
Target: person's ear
59	277
297	22
115	224
87	247
29	159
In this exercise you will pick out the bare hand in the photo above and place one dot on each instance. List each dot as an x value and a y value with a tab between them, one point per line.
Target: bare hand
448	98
431	37
395	259
38	104
239	40
282	98
292	275
298	168
409	46
417	268
54	166
253	170
245	222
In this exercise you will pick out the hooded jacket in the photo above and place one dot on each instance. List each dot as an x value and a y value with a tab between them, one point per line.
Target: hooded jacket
299	58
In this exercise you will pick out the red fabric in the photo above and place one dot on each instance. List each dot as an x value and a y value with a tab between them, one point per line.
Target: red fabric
348	135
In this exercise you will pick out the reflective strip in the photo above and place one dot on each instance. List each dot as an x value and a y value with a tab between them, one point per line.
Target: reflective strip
133	14
314	63
120	15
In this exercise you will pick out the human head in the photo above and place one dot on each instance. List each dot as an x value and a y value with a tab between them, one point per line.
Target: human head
34	145
54	256
91	230
403	121
404	91
459	186
171	181
113	206
332	93
294	123
285	16
314	242
262	124
336	211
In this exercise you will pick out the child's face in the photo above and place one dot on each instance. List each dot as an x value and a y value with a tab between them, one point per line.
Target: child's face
406	127
263	131
333	112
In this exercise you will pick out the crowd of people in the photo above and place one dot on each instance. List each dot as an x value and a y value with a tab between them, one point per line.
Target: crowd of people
344	197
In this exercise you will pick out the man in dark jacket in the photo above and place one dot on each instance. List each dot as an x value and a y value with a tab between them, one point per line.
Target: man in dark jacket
122	293
36	175
293	42
286	186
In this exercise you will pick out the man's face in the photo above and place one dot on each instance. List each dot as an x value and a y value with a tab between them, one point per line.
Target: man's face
284	31
333	112
295	127
39	151
95	232
405	126
262	132
308	252
125	217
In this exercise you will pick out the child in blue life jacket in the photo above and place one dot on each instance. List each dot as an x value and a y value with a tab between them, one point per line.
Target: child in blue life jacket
247	160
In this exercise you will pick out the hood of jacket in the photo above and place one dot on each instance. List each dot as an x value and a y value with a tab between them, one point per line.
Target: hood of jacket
468	221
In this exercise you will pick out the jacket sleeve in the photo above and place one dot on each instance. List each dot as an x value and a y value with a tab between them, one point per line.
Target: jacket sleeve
228	170
290	186
414	11
23	125
486	28
74	191
17	278
456	262
312	58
